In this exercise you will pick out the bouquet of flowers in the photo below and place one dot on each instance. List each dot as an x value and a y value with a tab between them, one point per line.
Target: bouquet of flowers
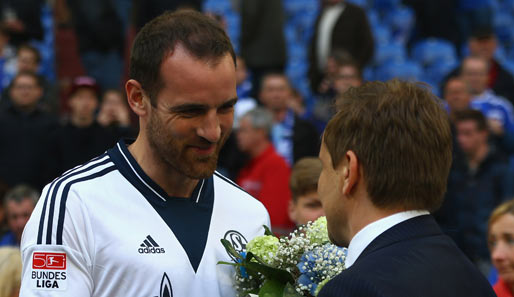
296	265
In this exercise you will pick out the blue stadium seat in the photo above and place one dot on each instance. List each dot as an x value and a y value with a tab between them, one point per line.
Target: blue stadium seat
217	6
503	26
438	70
368	74
401	22
365	4
390	52
508	65
46	46
406	70
292	7
381	34
430	50
373	18
386	5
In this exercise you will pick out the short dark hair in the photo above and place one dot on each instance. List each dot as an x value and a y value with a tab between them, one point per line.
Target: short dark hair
269	74
31	48
201	36
304	177
401	135
345	59
35	76
471	115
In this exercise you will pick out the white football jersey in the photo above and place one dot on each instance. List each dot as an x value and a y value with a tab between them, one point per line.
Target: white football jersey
105	229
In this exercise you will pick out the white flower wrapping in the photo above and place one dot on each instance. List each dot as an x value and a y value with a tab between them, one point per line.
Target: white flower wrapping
296	265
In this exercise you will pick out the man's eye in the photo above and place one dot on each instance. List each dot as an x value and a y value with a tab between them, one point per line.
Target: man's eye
226	108
191	112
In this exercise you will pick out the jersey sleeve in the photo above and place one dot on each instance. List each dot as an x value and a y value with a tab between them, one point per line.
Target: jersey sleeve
56	245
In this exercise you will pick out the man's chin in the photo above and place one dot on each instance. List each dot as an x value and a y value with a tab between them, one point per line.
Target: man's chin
201	170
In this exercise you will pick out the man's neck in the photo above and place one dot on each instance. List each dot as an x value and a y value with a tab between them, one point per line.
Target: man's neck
174	183
478	156
279	115
365	215
26	109
82	122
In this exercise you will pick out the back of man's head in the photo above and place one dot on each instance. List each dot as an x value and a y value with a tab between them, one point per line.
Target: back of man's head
199	35
401	136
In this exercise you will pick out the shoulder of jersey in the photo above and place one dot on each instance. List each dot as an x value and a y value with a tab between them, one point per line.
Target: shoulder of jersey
52	205
236	187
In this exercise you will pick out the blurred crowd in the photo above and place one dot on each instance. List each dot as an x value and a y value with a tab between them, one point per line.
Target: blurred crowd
63	64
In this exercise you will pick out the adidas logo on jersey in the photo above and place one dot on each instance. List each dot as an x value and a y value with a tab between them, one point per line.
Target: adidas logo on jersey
149	246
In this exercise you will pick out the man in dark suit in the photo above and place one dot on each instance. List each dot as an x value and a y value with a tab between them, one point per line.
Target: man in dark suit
386	156
339	26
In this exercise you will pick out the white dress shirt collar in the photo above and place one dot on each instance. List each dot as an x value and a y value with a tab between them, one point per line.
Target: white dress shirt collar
367	234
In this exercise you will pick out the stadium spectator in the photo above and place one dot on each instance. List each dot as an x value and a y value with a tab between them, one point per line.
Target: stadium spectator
473	15
22	18
19	204
342	26
500	240
474	74
28	59
10	271
479	181
305	205
101	39
266	175
292	137
346	74
82	137
114	111
457	95
445	27
263	44
24	127
458	98
483	43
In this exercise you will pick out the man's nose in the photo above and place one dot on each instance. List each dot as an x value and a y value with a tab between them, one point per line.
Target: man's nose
210	128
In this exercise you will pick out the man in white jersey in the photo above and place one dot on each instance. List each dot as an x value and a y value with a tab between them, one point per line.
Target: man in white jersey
146	218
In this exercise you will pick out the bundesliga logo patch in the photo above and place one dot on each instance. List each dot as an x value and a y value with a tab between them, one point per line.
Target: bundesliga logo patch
49	271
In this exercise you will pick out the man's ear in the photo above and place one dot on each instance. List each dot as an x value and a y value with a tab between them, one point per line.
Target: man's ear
350	173
135	97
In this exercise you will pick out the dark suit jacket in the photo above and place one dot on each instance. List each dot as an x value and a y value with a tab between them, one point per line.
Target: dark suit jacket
306	140
411	259
263	44
351	33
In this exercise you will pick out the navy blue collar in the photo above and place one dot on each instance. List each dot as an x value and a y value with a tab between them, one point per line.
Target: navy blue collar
130	169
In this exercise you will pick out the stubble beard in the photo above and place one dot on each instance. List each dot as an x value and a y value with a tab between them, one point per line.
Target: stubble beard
178	156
